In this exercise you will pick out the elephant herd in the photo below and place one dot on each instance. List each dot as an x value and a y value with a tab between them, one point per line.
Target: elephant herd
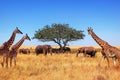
40	49
45	49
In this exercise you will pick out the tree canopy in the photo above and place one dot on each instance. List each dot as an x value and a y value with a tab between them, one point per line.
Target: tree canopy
58	33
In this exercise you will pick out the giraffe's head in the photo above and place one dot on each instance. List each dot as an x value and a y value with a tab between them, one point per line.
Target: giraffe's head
17	31
90	30
27	37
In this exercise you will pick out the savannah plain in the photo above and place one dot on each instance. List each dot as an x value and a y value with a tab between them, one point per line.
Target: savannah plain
60	67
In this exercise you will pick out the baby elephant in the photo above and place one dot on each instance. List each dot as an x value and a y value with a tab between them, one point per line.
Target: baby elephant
87	50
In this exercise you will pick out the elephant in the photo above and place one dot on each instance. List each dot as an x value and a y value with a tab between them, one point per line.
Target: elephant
43	49
24	51
87	50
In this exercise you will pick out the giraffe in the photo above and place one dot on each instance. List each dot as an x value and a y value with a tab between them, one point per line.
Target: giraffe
14	48
107	49
4	50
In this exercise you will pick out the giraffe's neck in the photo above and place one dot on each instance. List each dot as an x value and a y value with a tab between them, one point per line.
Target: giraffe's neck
11	40
101	42
18	44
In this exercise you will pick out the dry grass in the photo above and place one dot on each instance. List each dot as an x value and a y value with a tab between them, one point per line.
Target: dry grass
59	67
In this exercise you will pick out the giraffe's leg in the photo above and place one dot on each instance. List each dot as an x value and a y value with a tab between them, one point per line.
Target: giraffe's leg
6	61
2	63
103	57
107	57
15	61
114	59
10	61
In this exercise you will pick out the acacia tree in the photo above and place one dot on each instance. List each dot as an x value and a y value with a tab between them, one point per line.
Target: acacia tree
58	33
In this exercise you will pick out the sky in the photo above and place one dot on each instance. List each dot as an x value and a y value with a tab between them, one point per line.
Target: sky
30	15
